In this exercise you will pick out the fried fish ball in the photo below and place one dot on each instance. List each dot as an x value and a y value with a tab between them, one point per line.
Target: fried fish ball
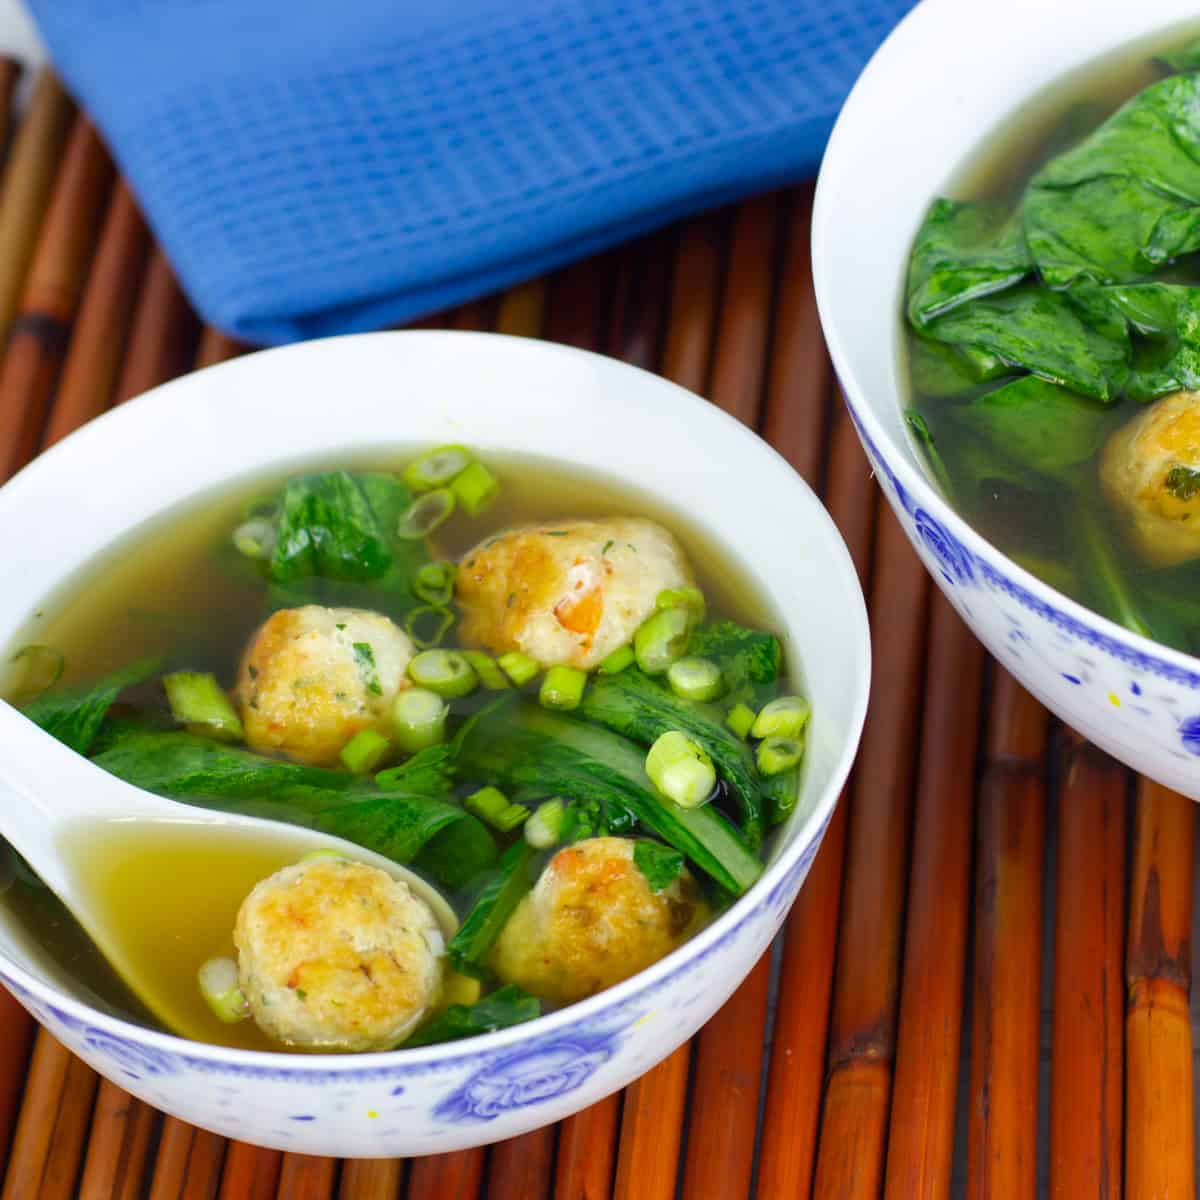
1150	470
312	677
592	920
569	593
336	955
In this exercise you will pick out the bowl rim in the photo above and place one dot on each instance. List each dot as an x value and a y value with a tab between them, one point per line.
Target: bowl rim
810	833
843	144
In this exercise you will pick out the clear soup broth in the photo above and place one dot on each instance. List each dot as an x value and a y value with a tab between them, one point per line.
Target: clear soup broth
179	591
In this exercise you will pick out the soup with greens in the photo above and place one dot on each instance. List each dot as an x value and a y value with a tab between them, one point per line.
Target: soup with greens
1053	320
559	705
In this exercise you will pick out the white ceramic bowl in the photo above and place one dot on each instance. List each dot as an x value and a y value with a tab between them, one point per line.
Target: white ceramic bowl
949	74
325	400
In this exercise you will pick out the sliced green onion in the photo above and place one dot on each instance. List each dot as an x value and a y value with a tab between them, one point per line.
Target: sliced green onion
425	514
544	828
436	468
778	754
689	598
695	679
365	751
41	666
681	770
490	804
740	719
255	538
475	488
519	667
661	640
784	717
562	688
418	720
446	672
218	980
318	855
434	583
487	669
428	624
617	661
198	702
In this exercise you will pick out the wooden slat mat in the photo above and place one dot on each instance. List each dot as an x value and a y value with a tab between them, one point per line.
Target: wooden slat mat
983	989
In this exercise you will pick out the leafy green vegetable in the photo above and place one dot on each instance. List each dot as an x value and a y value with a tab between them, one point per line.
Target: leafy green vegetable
1183	58
750	660
942	370
1037	424
658	863
504	1008
468	948
74	714
782	792
1041	332
1103	574
430	772
641	709
924	436
962	252
400	824
523	745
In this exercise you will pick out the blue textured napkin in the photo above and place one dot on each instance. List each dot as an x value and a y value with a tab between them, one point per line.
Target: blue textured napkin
314	167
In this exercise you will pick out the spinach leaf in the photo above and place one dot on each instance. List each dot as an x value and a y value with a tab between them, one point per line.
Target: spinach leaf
1169	316
505	1007
1037	424
468	948
659	864
430	772
942	370
750	660
963	251
74	714
402	825
1040	331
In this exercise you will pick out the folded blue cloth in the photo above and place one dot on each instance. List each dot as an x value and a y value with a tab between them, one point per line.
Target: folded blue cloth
314	167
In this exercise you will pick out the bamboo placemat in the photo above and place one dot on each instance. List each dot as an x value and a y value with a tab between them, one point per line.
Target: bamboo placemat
983	989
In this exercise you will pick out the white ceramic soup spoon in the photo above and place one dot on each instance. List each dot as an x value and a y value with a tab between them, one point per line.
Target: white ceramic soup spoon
69	820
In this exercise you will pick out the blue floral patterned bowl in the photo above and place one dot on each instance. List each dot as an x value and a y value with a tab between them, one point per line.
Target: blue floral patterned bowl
335	398
922	106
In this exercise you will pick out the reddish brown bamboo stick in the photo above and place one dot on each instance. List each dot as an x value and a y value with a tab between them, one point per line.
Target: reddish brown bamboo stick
636	318
799	381
50	298
522	310
479	314
1002	1122
118	1146
65	1154
1088	1035
586	1149
250	1172
105	314
188	1165
10	72
737	371
306	1177
29	175
371	1179
1160	1157
454	1176
522	1168
216	347
695	281
921	1131
797	1071
17	1029
162	338
578	300
862	1031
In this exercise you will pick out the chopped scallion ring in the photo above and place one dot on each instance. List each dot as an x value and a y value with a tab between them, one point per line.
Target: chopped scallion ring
689	598
428	624
778	754
782	717
434	583
475	488
436	468
695	679
445	672
661	640
418	720
425	514
740	719
544	828
520	668
681	770
255	538
198	702
490	804
488	670
218	980
562	688
617	661
365	751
